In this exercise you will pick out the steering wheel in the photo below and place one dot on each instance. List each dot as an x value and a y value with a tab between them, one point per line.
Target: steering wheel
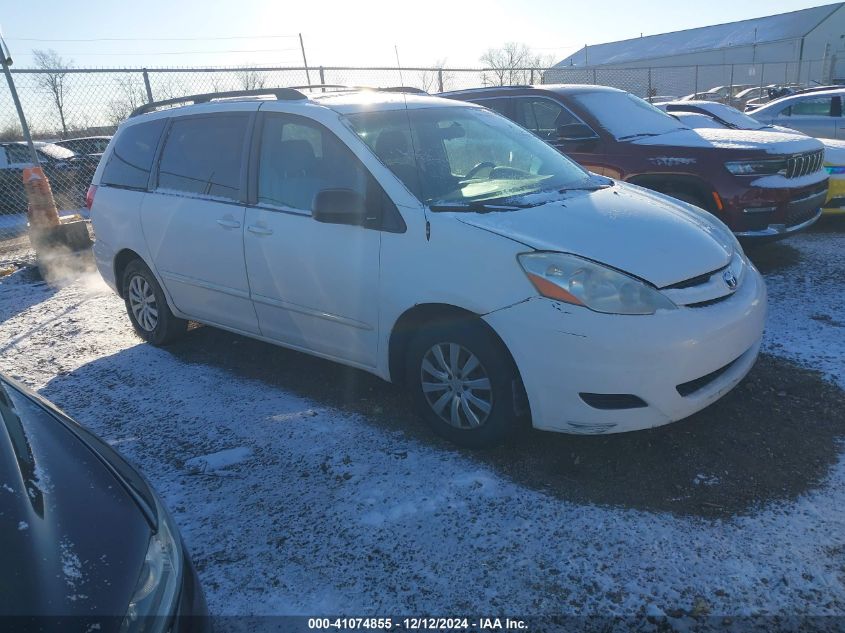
478	168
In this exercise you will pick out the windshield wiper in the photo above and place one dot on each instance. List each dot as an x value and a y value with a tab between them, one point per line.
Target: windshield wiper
586	188
640	135
475	207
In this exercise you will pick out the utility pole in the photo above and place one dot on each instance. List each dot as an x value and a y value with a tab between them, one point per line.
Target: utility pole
7	61
304	61
46	231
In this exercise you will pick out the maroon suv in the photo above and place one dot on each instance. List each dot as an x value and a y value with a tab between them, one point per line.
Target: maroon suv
761	184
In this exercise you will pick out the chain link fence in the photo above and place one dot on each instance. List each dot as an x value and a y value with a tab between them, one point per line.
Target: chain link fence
63	106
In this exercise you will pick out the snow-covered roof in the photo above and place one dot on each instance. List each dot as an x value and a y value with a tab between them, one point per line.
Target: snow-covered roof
772	28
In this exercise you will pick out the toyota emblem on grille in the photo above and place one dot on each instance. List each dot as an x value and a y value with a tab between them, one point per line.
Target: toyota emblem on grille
730	279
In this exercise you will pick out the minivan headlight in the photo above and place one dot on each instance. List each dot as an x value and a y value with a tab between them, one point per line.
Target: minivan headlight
583	282
157	589
756	167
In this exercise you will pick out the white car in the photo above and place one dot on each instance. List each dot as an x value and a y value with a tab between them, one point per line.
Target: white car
432	243
816	113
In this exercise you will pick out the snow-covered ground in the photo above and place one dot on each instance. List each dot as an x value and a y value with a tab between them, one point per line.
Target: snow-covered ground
289	506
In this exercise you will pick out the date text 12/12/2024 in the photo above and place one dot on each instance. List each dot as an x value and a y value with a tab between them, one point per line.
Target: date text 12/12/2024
418	623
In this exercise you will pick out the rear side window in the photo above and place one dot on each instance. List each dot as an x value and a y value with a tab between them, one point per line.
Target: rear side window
500	105
203	155
18	154
131	160
544	117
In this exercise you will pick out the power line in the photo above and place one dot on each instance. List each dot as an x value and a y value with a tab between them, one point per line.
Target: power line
252	50
148	39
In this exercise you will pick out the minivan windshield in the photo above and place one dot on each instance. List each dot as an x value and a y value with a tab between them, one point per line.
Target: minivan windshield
464	157
625	116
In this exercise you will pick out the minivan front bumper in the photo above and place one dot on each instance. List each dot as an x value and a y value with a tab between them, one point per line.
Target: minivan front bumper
584	371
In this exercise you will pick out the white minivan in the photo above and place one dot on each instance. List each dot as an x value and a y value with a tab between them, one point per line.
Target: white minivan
432	243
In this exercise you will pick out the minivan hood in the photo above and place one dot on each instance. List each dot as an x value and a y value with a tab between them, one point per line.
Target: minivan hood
629	228
766	141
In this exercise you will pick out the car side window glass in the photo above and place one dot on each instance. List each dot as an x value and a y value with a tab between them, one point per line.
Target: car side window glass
810	107
498	105
203	155
131	160
18	154
299	158
543	116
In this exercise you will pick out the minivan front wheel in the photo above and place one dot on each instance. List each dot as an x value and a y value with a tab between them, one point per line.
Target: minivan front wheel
463	382
147	307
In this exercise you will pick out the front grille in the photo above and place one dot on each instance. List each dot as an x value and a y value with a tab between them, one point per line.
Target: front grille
803	164
694	281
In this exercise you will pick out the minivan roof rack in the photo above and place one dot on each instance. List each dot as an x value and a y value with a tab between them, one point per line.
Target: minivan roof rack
292	93
282	94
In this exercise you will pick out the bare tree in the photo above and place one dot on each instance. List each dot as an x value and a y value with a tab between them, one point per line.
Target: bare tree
437	78
251	79
53	80
132	95
512	64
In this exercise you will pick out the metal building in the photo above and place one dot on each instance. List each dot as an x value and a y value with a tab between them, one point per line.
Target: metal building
805	46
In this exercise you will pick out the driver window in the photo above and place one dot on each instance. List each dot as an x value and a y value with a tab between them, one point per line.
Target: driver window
809	107
299	158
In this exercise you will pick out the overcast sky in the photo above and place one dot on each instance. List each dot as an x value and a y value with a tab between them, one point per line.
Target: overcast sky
110	33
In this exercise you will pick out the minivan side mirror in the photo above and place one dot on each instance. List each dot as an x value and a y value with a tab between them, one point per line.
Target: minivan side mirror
339	206
575	132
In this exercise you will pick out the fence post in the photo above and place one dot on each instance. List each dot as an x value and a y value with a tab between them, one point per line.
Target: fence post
696	79
731	88
532	77
147	86
594	76
648	94
762	73
322	78
440	79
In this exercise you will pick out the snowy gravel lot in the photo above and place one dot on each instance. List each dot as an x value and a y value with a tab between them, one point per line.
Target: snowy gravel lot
303	505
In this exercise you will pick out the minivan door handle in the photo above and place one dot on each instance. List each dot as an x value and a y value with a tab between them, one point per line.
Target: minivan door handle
226	223
259	230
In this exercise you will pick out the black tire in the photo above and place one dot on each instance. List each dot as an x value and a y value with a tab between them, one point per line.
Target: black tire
501	421
155	324
691	198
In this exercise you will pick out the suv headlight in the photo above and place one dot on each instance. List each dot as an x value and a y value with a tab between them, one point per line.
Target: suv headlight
582	282
157	590
757	167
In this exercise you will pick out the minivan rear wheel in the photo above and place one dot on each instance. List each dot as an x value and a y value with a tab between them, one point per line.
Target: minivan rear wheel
147	306
463	383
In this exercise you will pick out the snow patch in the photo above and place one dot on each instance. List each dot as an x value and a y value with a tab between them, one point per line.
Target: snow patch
71	569
780	182
22	525
220	460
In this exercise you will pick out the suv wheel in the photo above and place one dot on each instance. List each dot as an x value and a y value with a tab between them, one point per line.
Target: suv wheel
147	307
691	198
463	383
